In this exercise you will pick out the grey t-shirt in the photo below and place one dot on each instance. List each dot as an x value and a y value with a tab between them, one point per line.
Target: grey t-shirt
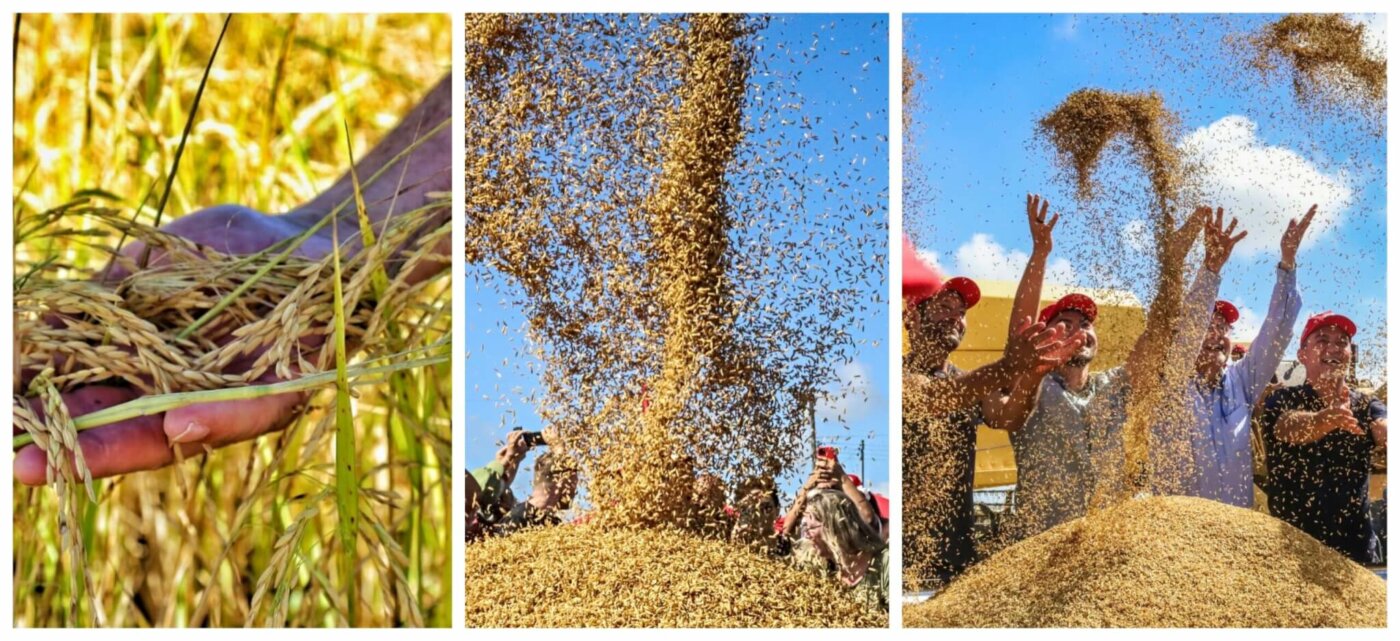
1070	448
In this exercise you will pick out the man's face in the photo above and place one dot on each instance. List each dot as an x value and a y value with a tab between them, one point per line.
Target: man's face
709	493
1215	349
943	320
1071	321
1326	355
566	482
757	512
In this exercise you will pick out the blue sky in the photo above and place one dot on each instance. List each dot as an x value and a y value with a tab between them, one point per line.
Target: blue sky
989	78
839	65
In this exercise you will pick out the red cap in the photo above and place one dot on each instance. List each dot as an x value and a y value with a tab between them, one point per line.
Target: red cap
854	479
1238	349
1327	319
966	288
1077	302
882	506
1228	310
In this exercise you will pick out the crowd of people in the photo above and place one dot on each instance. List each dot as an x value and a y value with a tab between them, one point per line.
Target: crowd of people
1065	420
834	528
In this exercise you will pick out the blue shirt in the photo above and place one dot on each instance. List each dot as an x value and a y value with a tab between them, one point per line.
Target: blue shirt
1223	467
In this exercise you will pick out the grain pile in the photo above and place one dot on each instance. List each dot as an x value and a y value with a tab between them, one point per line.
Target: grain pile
1163	562
1327	58
558	577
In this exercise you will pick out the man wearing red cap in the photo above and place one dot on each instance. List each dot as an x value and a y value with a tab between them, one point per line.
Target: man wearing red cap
1067	427
943	407
1320	436
1223	394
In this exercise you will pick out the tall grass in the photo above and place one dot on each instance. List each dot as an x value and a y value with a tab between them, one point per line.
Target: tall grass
252	534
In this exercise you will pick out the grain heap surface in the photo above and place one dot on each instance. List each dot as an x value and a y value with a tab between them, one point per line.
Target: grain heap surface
1163	562
563	576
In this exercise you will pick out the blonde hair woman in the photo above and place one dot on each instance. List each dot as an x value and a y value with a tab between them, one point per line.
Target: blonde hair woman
838	544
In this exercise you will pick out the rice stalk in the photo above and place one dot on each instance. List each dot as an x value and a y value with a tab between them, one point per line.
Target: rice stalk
347	481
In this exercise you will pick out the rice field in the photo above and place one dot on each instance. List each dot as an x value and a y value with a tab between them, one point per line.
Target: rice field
341	519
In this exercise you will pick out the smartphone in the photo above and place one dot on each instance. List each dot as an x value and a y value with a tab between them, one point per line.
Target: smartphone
826	452
533	439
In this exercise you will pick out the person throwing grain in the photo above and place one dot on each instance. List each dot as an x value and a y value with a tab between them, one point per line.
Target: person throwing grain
418	171
1319	438
943	407
1224	393
1066	428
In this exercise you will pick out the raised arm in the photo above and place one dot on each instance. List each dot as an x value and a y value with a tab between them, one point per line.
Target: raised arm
1259	363
1010	411
848	487
1197	309
1149	352
1027	301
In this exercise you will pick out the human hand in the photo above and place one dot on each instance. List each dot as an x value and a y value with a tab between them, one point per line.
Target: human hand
1220	241
1041	228
814	480
1181	240
836	472
1040	349
824	475
148	442
1293	237
1337	418
514	449
418	152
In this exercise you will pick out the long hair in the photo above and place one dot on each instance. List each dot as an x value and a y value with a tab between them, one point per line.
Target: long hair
845	533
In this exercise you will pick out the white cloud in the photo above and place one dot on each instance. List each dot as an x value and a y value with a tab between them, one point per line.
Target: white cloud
1066	27
930	259
1263	185
1137	237
1374	35
983	257
1247	327
850	397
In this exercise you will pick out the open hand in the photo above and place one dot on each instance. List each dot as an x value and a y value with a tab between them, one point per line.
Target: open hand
1220	240
1293	237
1041	228
1181	240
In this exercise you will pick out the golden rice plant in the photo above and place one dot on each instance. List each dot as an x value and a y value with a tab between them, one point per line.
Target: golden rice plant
275	531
